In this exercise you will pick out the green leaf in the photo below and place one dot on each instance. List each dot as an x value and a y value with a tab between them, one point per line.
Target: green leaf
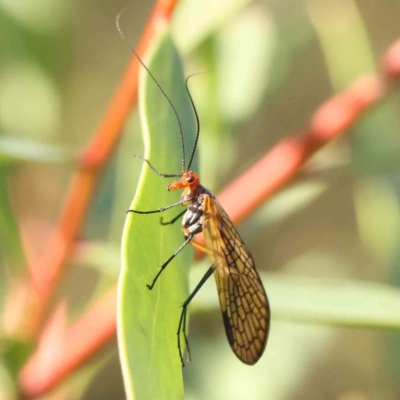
194	21
7	383
10	238
148	320
14	353
244	80
322	301
14	151
103	257
354	56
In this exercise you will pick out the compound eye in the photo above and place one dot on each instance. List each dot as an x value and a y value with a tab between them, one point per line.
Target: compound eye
190	179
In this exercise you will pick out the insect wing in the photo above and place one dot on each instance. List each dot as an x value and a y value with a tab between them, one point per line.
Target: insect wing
244	303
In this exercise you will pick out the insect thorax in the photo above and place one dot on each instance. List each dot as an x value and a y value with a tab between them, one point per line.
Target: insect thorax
192	221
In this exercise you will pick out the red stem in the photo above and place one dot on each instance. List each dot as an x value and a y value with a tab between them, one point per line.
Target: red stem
48	270
240	199
98	324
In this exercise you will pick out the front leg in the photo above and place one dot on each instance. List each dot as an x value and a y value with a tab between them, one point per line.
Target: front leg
172	220
188	239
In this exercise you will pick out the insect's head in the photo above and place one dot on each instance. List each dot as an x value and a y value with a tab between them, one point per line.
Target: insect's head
189	179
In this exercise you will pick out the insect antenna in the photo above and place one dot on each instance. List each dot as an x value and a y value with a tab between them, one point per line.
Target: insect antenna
195	114
158	85
197	120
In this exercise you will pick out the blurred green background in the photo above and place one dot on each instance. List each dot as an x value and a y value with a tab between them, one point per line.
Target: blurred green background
272	64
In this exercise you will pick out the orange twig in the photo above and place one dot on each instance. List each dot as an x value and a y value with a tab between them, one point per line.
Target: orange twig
240	198
98	324
243	195
48	269
285	160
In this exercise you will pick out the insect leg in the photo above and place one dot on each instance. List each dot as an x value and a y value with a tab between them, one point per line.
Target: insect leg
188	239
182	320
159	210
156	170
172	220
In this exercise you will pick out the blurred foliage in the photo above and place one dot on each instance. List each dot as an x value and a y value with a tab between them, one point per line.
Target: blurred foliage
270	65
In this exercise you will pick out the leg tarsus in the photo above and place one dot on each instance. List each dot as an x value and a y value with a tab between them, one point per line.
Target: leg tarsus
189	358
172	220
182	319
188	239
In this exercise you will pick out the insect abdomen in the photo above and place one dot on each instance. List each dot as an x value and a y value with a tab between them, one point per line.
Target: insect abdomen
192	221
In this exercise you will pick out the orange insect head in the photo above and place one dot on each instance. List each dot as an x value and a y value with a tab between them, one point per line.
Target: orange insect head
189	180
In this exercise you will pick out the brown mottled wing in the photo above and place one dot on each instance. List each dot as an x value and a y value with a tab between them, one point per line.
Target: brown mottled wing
244	303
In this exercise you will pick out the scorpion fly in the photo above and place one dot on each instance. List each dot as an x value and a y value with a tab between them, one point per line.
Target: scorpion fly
244	303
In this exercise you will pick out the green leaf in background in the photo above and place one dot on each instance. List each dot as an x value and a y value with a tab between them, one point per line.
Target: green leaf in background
322	301
244	80
7	386
195	20
344	40
11	250
14	151
148	320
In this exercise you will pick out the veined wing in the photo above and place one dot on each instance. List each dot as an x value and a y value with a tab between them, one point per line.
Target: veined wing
244	303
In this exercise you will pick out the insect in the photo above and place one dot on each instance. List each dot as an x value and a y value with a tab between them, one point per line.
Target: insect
244	303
